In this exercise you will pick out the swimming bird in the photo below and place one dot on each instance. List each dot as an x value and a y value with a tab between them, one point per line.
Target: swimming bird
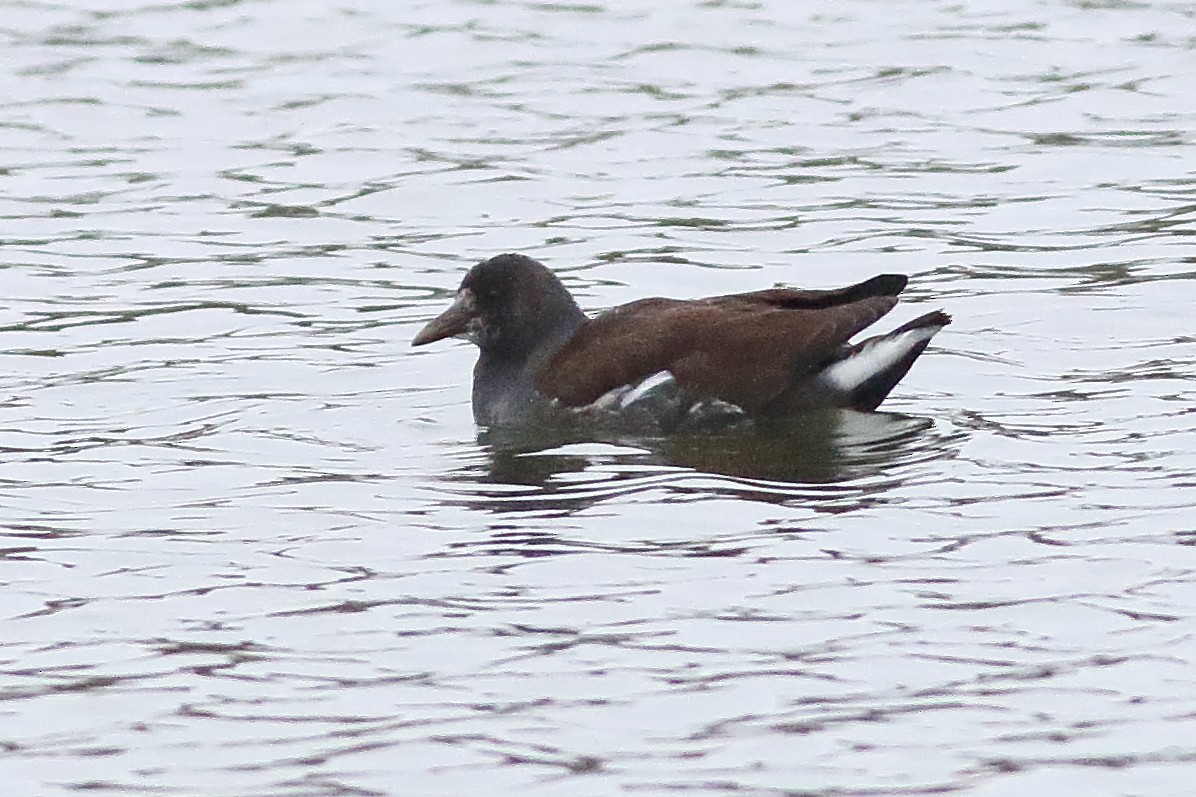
674	364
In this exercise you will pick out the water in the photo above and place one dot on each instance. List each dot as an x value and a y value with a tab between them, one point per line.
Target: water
253	544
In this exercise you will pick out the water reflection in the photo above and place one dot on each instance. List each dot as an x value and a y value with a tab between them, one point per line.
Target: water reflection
826	456
252	545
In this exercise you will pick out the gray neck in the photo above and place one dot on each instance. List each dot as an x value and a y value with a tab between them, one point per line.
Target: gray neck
504	388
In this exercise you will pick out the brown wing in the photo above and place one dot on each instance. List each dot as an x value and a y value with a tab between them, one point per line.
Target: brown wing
744	348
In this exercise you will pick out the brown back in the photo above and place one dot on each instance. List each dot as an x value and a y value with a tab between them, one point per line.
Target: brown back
745	348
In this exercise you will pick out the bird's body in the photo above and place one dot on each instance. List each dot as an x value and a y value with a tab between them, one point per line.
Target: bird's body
671	363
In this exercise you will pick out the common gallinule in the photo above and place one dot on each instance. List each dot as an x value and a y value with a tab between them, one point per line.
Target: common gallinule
674	363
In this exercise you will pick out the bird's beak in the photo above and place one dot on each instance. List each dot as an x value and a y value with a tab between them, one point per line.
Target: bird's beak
457	321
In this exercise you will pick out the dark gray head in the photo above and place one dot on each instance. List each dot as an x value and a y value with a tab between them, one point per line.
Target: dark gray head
509	306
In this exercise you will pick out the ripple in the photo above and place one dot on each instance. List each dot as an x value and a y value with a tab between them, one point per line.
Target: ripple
827	461
242	520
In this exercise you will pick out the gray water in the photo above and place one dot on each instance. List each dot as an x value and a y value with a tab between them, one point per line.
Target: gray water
254	545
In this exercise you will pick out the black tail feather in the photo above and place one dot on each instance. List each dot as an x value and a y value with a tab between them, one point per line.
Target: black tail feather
934	319
875	389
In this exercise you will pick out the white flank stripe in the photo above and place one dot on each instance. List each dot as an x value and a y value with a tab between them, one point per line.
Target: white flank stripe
607	401
638	392
846	375
619	398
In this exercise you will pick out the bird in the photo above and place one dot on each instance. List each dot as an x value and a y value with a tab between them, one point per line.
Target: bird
673	364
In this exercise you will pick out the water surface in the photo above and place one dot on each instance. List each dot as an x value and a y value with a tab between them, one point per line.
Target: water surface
254	545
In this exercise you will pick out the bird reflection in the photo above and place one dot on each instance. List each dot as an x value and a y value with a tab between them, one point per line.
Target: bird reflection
812	455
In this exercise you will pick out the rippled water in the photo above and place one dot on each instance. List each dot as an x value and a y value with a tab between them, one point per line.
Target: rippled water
253	544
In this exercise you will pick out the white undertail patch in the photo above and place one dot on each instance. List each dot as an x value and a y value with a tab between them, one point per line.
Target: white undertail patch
875	358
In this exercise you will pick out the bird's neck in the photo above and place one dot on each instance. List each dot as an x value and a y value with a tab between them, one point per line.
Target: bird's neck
504	388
